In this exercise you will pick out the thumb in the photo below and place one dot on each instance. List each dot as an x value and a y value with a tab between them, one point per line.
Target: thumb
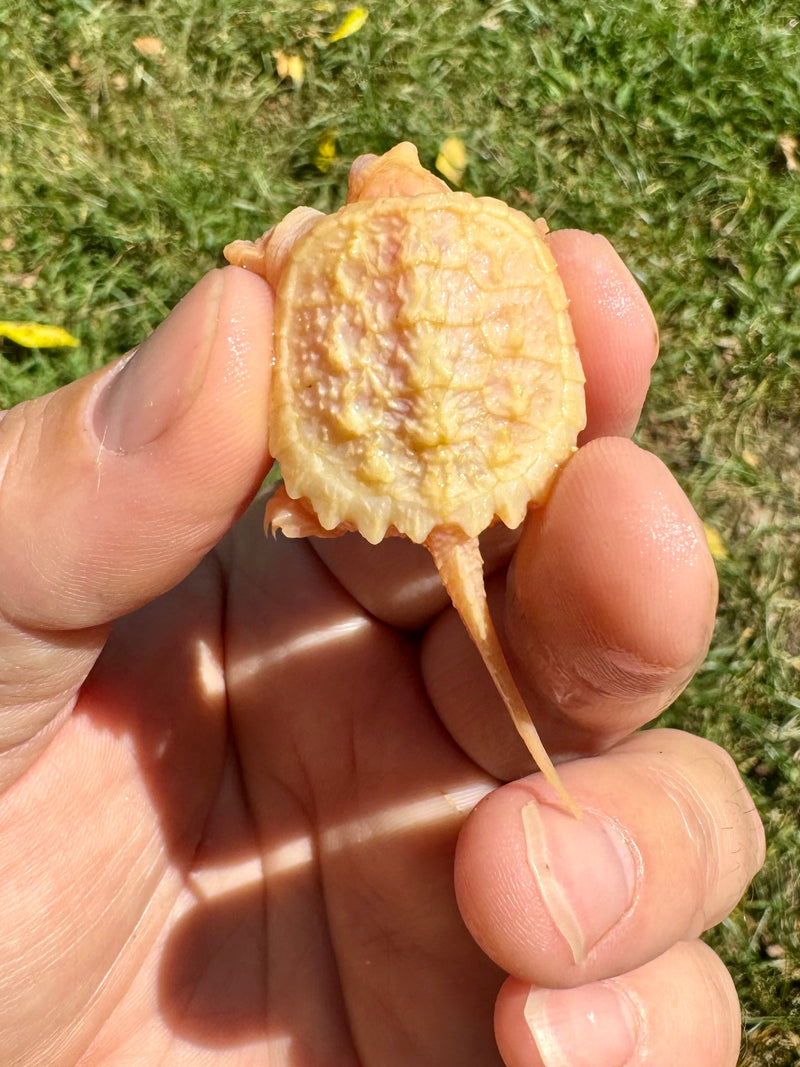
114	487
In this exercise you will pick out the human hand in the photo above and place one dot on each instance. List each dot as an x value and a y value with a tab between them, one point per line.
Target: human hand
234	842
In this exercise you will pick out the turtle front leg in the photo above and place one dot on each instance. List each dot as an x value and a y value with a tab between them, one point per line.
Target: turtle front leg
268	255
297	518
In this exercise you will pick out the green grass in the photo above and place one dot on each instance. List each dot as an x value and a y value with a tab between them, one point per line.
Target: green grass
657	123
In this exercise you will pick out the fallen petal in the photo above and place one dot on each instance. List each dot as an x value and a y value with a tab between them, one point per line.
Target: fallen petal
716	545
452	159
350	24
37	335
149	46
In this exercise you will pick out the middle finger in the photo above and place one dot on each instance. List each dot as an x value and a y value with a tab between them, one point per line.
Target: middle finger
609	611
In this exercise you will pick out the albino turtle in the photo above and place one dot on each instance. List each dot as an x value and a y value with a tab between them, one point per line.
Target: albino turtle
426	380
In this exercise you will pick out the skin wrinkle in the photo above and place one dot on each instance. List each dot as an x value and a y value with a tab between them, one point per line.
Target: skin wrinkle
391	1009
21	447
12	750
39	714
697	817
134	936
215	560
638	1014
9	451
41	689
334	947
229	562
751	810
143	947
153	877
612	673
607	672
425	581
715	983
176	867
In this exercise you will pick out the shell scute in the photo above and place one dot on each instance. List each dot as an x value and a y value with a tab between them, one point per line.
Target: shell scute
422	353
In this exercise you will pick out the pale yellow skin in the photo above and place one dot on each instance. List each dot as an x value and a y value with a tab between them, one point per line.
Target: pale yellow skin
426	381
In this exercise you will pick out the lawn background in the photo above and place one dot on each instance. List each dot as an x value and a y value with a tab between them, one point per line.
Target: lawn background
669	126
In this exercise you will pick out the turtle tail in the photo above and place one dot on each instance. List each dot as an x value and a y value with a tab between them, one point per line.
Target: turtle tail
460	564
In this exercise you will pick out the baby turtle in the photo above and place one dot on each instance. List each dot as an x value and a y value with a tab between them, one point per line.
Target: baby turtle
426	381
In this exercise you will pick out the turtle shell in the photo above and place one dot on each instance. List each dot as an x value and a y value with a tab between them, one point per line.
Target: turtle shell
426	372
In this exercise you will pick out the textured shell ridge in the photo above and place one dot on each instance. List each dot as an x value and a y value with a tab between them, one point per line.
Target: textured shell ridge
423	358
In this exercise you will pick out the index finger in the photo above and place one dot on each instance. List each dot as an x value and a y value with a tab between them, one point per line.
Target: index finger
614	327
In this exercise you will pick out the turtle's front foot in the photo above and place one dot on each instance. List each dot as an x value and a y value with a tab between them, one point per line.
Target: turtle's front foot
296	518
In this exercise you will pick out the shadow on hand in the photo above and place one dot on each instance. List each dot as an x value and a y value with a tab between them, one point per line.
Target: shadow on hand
382	818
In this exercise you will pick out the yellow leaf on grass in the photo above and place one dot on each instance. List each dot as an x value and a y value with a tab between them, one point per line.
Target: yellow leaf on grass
452	159
149	46
350	24
37	335
789	145
326	151
716	545
289	67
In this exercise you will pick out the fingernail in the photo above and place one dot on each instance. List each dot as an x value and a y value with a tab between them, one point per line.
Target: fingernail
585	869
591	1026
161	378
